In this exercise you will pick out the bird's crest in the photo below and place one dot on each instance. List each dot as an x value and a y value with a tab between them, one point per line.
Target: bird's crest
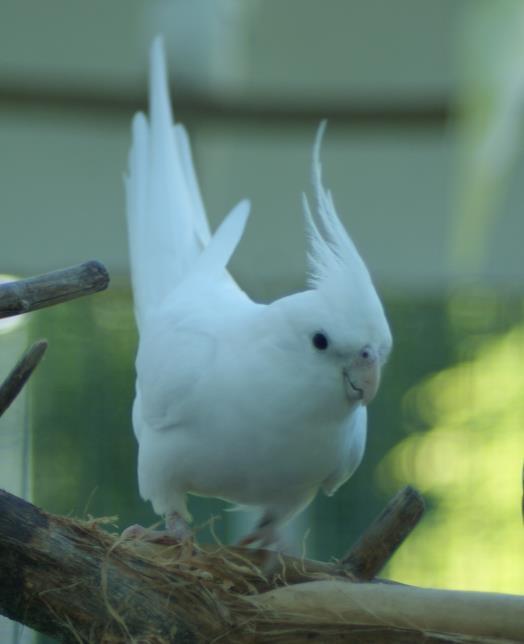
332	256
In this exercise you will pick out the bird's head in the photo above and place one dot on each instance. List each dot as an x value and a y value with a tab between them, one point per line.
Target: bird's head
340	317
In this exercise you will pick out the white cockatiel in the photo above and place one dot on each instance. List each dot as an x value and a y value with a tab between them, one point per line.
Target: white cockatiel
261	405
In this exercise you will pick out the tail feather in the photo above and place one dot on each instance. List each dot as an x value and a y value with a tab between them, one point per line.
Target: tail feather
219	250
200	221
167	223
136	195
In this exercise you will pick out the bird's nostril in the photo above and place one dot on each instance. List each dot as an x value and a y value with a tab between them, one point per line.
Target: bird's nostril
367	354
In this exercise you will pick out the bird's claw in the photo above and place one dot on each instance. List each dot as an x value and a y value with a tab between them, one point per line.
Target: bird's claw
135	531
139	533
177	532
264	534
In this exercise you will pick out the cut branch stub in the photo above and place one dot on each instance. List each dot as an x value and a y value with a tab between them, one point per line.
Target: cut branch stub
51	288
377	544
20	374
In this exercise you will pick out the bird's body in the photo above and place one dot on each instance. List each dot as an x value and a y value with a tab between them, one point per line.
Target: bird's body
260	405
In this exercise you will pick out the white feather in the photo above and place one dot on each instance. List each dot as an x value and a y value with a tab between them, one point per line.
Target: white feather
167	224
331	250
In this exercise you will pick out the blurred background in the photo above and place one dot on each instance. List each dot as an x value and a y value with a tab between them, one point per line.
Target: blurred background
425	106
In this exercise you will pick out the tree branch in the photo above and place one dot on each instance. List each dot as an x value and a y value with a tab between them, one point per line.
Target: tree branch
379	542
74	581
446	615
65	284
20	374
69	580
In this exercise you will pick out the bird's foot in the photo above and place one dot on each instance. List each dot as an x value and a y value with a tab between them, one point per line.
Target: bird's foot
177	531
139	533
264	534
178	527
135	531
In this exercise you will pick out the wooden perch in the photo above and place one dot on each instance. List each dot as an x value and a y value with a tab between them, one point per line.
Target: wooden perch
433	613
74	581
380	541
20	374
37	292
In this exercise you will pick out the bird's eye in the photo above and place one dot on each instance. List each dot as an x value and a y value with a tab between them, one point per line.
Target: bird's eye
320	341
368	354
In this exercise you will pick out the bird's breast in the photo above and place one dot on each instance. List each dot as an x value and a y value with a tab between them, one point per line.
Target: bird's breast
248	460
249	429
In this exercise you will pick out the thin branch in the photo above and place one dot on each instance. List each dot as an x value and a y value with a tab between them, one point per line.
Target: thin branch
52	288
387	532
20	374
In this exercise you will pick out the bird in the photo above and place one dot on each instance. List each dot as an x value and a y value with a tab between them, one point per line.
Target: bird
260	404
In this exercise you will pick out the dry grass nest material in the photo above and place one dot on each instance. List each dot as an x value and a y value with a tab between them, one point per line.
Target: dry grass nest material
208	588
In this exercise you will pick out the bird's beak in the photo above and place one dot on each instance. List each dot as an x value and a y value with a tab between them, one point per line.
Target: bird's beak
361	380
